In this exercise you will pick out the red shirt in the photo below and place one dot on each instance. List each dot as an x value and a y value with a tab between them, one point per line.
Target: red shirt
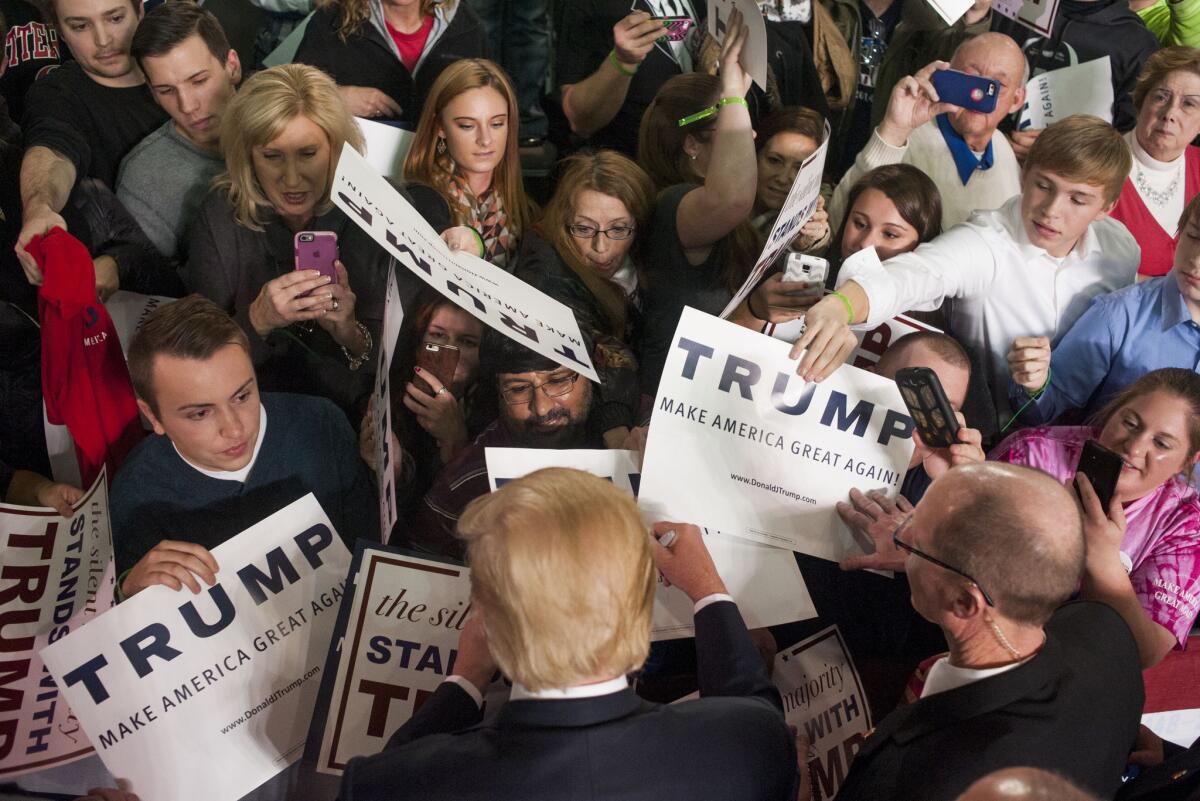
1158	246
85	382
411	45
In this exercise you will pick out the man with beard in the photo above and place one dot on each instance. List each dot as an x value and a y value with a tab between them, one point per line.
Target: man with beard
541	405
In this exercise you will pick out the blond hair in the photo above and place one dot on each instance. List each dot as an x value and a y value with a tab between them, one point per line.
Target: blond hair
609	173
1086	149
425	165
257	115
561	569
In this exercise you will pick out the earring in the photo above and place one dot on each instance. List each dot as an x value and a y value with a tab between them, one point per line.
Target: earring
693	157
441	146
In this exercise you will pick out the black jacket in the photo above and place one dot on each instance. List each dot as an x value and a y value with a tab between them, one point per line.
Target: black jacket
1085	30
365	59
615	747
1072	709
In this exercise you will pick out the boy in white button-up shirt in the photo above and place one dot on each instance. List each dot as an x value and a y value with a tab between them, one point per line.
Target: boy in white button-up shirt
1029	268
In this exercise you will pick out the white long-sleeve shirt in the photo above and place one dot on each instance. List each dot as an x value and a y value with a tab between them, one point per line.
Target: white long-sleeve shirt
1000	284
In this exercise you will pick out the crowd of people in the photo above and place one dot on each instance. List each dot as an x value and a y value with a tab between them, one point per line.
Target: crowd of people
1057	269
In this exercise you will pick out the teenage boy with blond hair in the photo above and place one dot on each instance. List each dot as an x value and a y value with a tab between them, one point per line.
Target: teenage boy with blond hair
1028	268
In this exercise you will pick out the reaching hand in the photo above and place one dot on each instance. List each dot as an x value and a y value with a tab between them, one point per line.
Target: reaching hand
37	222
913	103
827	340
1029	362
735	81
175	564
873	519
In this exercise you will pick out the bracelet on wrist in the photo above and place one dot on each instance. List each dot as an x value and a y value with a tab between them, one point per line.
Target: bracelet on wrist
356	362
479	241
616	62
849	307
705	113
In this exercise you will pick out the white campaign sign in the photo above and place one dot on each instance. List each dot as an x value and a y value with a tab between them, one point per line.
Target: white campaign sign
1079	89
823	698
400	643
381	408
204	697
128	311
387	147
58	574
497	298
800	204
764	581
1038	15
754	52
739	443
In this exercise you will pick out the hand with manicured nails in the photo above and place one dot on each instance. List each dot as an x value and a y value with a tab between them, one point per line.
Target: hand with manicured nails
279	302
172	563
686	564
439	413
338	318
1029	362
873	518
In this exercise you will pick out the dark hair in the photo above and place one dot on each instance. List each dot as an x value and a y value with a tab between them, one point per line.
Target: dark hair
1175	381
50	12
912	192
167	26
189	328
1189	211
661	154
790	119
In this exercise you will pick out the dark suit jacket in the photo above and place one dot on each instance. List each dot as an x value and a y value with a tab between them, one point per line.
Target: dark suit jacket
1073	709
615	746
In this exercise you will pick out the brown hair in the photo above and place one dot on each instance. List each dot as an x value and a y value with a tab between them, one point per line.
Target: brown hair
1161	64
790	119
189	328
357	12
661	154
425	165
1174	381
166	27
1189	211
1086	149
561	568
609	173
50	11
912	192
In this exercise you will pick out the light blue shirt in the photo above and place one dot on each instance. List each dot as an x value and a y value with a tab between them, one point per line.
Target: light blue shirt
1121	337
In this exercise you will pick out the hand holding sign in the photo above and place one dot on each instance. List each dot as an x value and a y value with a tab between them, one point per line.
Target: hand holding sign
174	564
684	561
735	80
741	17
827	340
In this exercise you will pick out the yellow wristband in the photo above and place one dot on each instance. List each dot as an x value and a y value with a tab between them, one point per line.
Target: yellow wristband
849	308
612	56
725	101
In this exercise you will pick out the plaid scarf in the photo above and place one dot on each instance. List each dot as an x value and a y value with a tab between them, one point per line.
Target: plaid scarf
486	215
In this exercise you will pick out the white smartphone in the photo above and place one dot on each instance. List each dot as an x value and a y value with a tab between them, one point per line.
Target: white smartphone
802	269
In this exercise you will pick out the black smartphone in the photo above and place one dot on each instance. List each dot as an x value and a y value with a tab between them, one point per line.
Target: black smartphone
928	406
1103	469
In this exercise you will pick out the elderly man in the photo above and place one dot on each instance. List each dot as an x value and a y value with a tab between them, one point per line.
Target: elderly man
991	554
972	165
562	581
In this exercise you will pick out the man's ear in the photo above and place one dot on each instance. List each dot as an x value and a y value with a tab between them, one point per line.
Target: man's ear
233	66
145	409
1105	211
1018	101
968	601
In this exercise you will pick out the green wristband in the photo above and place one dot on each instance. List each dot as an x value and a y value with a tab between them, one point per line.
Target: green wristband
479	239
849	308
612	56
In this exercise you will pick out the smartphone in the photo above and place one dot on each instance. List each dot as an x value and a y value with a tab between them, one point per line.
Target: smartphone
1103	469
316	250
928	406
972	92
438	360
802	269
677	28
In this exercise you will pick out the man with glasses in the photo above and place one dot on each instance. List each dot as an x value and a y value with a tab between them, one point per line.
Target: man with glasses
991	554
541	404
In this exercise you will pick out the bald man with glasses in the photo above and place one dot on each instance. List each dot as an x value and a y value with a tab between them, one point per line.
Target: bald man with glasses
992	554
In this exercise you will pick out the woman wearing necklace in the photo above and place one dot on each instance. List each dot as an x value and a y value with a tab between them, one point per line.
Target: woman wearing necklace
1166	168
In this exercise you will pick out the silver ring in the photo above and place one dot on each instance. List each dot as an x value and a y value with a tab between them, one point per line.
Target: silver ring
441	391
336	305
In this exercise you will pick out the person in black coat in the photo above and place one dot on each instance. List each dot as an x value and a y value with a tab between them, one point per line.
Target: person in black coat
563	578
386	54
991	553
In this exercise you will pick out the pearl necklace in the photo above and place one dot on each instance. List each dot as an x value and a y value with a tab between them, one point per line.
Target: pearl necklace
1157	197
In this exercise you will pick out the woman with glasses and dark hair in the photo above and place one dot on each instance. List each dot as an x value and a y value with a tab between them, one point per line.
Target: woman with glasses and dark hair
583	253
1144	551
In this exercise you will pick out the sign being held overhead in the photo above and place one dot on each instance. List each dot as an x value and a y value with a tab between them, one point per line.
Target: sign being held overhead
754	52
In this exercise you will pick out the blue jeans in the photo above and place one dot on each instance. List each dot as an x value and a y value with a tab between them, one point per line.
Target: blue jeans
519	37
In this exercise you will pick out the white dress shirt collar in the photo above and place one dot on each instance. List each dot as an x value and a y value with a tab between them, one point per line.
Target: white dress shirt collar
609	687
1010	214
944	676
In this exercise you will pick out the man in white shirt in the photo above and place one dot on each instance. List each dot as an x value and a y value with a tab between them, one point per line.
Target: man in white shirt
1029	268
991	555
972	165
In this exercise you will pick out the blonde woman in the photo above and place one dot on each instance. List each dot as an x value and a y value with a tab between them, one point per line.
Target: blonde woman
464	169
282	134
386	54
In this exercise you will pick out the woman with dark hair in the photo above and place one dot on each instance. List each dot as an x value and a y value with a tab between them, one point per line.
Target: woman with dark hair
785	139
386	54
697	145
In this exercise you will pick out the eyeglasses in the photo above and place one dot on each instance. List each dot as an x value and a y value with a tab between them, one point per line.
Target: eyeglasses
554	387
617	232
904	546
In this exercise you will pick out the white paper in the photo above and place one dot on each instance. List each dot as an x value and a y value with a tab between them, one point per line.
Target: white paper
800	204
400	643
497	298
128	311
764	581
823	698
381	409
387	147
1037	15
739	443
185	717
754	52
68	563
1079	89
951	10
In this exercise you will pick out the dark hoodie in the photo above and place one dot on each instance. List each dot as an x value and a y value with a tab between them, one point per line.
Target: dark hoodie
1085	30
